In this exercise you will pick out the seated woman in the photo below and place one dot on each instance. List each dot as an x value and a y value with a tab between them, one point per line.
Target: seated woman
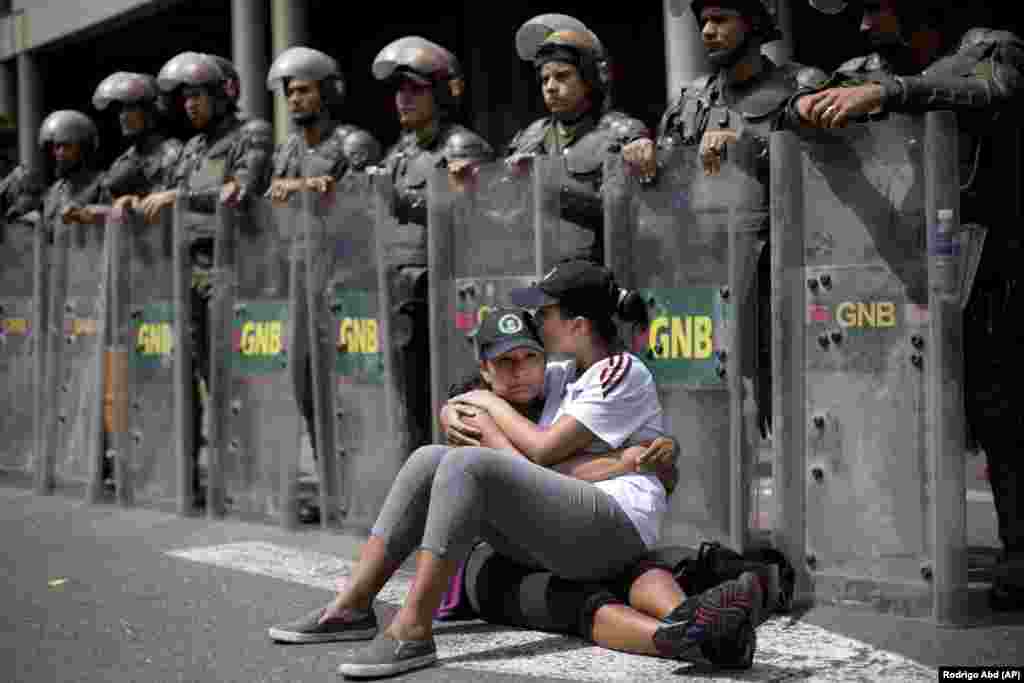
444	498
625	614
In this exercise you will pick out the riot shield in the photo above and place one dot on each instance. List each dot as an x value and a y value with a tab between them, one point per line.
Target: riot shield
849	219
254	424
363	430
689	244
144	342
17	360
74	387
492	233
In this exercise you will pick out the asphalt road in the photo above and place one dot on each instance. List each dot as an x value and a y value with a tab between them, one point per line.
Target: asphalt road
97	593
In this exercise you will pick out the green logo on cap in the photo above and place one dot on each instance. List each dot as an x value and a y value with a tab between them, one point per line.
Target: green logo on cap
510	324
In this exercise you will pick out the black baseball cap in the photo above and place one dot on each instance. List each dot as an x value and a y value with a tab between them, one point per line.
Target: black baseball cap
504	329
582	286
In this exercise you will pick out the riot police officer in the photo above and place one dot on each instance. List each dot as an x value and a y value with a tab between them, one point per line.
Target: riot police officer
144	167
21	192
70	141
735	108
575	79
147	164
429	87
321	151
228	160
919	66
745	96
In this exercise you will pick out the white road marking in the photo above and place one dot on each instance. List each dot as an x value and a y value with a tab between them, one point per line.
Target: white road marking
785	650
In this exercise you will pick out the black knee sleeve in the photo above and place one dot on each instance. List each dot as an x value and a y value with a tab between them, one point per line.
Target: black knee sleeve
505	592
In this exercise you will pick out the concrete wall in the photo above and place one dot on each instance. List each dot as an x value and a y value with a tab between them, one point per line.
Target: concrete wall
43	21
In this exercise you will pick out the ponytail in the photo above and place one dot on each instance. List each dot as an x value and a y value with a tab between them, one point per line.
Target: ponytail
629	307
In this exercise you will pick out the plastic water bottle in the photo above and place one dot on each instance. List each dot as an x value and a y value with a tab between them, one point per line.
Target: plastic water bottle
945	258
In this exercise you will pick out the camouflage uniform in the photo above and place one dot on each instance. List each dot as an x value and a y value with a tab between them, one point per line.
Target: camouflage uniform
753	109
77	186
584	146
981	79
584	143
21	192
342	150
232	146
409	163
146	166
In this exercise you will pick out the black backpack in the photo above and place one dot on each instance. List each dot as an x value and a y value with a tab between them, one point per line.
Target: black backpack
712	563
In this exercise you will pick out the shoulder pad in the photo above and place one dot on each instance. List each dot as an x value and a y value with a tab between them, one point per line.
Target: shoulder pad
359	146
529	138
623	127
767	98
285	151
190	146
701	83
396	150
981	36
462	143
171	150
855	65
342	130
257	128
173	144
810	77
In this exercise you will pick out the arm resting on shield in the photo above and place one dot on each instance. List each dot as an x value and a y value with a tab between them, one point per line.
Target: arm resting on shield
248	172
986	72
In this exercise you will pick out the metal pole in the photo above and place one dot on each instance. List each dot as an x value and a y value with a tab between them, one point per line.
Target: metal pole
781	51
184	396
396	410
618	227
440	290
313	268
738	493
41	350
788	311
685	57
289	26
30	110
55	423
102	370
8	95
946	434
223	280
249	54
119	242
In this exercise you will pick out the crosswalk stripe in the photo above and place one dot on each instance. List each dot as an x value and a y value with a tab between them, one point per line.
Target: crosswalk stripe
786	649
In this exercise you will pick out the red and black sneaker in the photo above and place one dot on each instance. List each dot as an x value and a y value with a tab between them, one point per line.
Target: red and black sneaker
717	614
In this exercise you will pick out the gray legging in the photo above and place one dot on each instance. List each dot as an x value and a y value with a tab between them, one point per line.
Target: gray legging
445	499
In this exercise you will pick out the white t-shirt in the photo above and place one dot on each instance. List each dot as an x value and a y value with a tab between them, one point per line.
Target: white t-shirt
616	400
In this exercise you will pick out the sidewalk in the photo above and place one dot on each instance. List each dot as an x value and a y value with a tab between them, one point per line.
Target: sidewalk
97	593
